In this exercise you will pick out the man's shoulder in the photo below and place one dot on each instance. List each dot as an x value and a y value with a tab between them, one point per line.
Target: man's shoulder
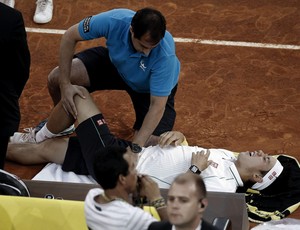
120	13
163	225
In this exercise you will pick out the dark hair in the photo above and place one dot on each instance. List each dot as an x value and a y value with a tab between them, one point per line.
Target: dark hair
248	184
196	179
109	164
279	185
149	20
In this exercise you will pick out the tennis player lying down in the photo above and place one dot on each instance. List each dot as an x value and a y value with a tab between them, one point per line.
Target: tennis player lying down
222	170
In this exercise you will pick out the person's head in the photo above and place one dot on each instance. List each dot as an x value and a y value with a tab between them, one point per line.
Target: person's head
258	169
148	27
186	200
115	165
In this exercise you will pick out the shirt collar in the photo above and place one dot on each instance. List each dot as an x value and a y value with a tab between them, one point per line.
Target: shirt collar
234	172
197	228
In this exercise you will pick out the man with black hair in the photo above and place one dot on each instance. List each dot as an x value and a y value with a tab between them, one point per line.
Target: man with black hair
139	58
110	208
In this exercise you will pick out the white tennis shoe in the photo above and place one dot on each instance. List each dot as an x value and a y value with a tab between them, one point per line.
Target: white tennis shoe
27	137
30	133
43	12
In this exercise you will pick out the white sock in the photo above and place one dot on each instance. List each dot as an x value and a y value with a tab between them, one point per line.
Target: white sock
43	134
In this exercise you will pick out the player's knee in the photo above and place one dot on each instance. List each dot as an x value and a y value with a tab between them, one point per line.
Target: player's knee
85	93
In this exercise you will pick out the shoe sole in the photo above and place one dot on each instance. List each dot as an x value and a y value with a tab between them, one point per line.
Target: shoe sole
66	132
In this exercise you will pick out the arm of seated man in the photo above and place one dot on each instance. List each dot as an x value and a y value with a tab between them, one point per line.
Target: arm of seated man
150	189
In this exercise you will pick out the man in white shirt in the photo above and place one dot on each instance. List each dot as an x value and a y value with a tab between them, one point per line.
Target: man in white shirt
111	208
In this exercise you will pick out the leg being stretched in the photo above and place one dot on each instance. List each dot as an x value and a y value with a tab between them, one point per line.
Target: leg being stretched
51	150
58	121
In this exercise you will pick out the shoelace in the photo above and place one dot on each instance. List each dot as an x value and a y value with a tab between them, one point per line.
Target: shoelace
29	130
29	135
41	4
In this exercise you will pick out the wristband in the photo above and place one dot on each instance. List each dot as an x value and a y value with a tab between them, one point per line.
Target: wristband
158	203
135	148
194	169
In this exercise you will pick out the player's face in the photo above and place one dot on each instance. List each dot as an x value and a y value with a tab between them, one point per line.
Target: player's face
257	160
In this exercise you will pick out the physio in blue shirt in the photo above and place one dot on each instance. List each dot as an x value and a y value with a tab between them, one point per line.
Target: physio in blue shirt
139	57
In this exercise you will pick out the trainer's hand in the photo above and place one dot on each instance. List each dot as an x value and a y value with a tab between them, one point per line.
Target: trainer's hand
171	137
200	159
68	91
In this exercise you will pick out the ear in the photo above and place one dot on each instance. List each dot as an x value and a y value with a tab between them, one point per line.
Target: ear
131	30
202	205
257	177
122	180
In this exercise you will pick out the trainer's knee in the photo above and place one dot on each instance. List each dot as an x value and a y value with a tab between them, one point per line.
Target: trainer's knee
53	78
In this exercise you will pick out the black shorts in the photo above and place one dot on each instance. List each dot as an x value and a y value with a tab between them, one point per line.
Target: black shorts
92	135
104	76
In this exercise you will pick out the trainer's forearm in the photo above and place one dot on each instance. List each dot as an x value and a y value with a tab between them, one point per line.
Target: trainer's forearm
67	49
151	120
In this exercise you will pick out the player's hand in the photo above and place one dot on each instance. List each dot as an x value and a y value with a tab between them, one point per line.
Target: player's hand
200	159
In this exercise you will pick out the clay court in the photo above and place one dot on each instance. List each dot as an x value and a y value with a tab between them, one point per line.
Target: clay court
239	87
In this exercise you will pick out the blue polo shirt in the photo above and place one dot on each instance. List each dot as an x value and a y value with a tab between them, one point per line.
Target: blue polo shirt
156	73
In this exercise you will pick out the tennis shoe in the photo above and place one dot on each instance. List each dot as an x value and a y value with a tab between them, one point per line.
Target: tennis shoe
30	133
43	12
65	132
27	137
40	125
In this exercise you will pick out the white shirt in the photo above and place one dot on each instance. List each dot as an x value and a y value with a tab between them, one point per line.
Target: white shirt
164	164
114	215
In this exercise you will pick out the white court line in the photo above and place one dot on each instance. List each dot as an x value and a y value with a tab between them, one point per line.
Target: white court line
44	31
191	40
233	43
